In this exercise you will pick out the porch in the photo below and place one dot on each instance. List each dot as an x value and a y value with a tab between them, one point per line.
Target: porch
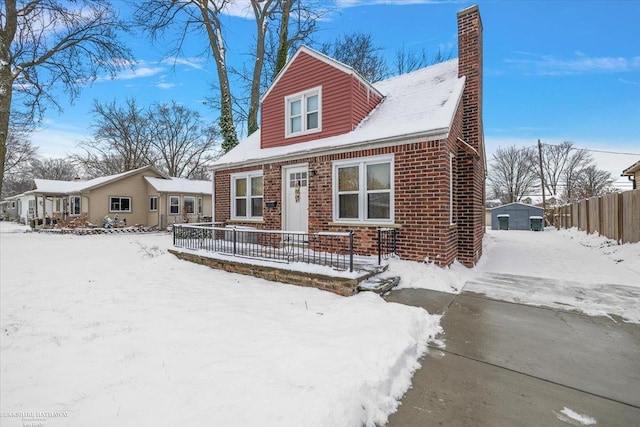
324	260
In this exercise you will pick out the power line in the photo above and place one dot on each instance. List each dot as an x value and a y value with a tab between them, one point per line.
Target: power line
594	150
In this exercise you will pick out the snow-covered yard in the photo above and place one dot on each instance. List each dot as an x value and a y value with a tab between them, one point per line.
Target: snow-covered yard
110	330
566	269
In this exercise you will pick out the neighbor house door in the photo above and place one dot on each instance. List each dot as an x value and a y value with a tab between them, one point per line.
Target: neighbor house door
296	198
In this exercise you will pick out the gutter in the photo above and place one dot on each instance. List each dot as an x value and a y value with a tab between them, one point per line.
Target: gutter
432	135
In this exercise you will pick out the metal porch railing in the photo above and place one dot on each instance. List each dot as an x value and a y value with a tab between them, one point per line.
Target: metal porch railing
387	243
333	249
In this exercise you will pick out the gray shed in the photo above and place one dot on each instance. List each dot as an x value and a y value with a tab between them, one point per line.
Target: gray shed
519	215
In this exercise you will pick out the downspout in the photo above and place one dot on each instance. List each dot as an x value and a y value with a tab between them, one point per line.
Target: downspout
213	197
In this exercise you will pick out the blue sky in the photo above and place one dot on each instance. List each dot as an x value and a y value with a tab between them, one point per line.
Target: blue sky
553	70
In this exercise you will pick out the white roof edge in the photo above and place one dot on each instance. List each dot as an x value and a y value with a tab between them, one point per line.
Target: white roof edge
327	60
431	135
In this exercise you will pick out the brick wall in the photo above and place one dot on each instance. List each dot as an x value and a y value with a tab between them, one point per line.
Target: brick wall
421	181
471	169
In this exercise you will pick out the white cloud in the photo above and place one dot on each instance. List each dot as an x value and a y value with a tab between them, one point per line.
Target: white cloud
192	62
140	72
58	141
355	3
580	63
165	85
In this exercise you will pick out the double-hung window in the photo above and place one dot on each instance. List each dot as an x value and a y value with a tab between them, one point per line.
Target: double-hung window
74	205
246	195
363	190
119	204
304	112
174	205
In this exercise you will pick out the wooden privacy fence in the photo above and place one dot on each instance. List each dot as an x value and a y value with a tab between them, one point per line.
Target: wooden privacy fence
616	216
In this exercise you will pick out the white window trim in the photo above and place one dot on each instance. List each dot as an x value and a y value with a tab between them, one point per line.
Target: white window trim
249	196
302	96
169	206
362	162
184	204
156	199
121	198
71	205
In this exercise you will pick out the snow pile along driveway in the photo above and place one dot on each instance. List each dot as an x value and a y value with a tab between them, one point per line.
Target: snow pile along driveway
115	331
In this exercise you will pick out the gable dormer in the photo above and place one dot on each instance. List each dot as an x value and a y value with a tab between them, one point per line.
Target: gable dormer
314	97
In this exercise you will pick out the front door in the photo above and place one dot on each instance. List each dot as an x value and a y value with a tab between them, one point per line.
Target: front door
296	198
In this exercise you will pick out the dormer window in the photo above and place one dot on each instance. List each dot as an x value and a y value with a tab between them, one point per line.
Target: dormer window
304	112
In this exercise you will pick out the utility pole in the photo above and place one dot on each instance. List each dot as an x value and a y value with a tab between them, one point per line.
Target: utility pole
544	203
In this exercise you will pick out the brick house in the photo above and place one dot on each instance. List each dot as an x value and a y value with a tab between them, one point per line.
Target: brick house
335	152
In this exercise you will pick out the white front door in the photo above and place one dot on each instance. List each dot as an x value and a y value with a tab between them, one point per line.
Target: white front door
296	198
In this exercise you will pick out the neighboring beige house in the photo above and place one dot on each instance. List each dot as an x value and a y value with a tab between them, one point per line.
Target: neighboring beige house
178	200
138	197
633	172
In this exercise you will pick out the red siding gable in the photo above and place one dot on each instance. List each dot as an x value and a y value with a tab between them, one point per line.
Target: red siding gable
346	100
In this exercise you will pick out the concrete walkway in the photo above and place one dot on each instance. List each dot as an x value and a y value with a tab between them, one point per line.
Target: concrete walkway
506	364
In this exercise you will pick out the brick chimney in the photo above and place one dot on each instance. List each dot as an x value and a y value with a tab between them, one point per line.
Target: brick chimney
470	66
470	189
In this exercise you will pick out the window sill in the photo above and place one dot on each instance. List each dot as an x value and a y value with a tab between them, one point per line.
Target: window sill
240	221
303	133
365	224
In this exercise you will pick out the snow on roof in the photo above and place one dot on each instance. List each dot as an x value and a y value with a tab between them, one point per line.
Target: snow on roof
55	186
179	185
416	104
52	186
631	169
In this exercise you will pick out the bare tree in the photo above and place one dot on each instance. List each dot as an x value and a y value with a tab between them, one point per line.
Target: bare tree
590	182
407	61
560	163
19	151
20	179
578	160
359	51
45	44
513	173
121	141
198	17
183	144
262	10
58	169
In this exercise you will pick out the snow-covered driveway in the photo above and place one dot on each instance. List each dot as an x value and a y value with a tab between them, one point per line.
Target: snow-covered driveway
111	330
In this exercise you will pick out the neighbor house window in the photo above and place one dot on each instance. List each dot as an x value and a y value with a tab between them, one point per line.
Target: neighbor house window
189	205
174	205
153	203
246	195
363	190
119	204
74	203
199	205
304	112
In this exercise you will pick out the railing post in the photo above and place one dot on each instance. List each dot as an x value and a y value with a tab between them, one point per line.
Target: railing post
173	230
379	246
394	246
234	240
350	250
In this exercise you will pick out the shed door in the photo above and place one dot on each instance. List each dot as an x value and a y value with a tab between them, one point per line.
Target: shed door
296	199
